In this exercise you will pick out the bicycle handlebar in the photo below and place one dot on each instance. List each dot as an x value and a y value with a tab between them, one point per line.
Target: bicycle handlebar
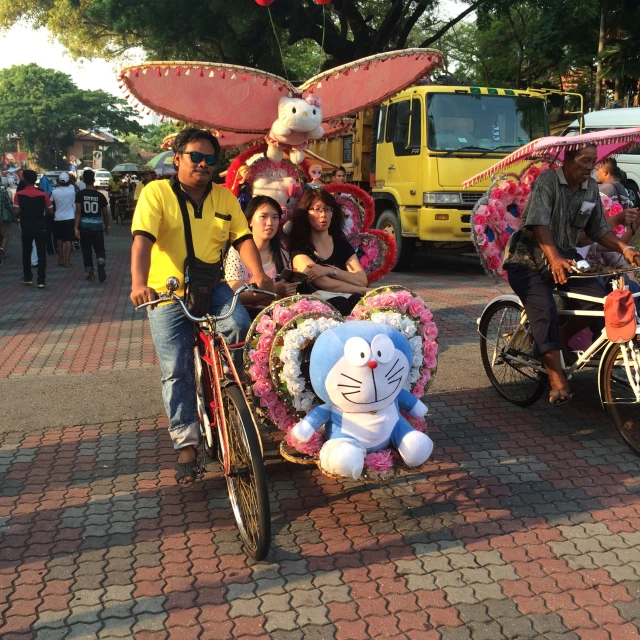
168	296
609	273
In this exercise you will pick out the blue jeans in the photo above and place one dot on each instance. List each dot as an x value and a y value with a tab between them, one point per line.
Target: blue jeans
173	338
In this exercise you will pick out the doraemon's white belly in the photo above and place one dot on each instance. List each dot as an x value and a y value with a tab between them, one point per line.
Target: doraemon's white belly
371	429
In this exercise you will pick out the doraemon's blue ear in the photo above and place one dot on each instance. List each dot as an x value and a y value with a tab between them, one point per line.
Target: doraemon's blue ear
329	348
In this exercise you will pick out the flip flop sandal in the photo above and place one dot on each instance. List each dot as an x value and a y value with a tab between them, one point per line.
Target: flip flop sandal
187	470
558	397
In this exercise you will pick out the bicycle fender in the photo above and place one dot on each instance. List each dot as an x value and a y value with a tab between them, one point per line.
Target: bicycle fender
603	357
506	296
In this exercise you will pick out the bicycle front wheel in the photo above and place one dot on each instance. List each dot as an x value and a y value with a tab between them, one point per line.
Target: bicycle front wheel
247	479
617	381
503	337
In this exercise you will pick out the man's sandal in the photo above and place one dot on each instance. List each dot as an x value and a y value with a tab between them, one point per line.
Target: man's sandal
189	470
558	397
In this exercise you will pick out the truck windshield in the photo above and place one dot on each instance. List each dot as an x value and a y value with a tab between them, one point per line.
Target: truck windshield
458	121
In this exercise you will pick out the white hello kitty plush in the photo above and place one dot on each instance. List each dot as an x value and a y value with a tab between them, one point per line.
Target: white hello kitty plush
299	120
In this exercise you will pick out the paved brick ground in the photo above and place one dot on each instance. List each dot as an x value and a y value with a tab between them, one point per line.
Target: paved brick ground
525	523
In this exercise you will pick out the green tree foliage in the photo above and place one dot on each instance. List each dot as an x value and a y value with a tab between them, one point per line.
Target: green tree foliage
47	109
238	32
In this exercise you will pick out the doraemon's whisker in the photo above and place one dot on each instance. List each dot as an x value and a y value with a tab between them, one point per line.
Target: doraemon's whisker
351	386
395	380
350	378
392	367
395	373
349	393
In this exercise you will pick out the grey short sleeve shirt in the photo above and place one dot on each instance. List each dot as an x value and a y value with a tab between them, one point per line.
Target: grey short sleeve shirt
551	204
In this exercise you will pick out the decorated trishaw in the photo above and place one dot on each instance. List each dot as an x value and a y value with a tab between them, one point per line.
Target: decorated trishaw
509	354
343	393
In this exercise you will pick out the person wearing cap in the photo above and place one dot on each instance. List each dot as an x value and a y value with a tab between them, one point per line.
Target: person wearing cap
159	251
541	255
64	202
147	176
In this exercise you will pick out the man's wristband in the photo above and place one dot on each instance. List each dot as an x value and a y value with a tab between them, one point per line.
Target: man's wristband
627	247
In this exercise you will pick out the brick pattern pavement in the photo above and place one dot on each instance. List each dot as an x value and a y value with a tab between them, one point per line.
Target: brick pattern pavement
524	524
73	326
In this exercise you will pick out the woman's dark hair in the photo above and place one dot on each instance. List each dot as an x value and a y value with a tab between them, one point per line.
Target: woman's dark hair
300	236
274	244
191	134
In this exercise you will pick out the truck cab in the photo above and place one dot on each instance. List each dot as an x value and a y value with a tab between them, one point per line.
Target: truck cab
428	140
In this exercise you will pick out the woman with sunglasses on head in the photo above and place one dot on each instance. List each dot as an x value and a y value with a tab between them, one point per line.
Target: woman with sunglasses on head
263	216
320	250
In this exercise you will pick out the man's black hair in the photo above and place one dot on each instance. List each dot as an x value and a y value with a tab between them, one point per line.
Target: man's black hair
88	176
570	155
610	165
30	176
339	169
187	136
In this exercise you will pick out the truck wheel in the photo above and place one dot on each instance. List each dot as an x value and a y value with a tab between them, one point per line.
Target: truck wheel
405	247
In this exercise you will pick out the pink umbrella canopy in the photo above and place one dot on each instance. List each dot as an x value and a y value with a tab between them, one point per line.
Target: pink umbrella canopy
608	142
234	98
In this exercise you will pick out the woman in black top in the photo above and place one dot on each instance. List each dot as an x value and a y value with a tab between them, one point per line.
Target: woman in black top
319	249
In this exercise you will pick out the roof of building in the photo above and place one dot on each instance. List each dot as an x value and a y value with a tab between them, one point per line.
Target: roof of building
96	136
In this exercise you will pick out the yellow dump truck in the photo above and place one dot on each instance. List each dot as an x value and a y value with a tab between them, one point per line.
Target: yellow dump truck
417	149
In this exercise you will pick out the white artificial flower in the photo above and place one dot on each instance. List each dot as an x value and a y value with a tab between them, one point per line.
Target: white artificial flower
306	401
294	339
289	354
382	318
395	321
291	370
417	360
296	387
309	329
416	344
409	328
414	374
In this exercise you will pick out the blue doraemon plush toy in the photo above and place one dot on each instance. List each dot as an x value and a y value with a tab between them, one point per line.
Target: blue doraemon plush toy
360	369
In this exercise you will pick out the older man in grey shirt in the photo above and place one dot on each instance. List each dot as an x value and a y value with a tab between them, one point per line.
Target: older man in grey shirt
564	203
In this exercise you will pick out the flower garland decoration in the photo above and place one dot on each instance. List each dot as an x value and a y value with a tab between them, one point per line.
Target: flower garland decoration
279	344
406	312
611	209
497	215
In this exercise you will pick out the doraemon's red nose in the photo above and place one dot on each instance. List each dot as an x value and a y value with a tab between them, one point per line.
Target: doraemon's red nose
372	364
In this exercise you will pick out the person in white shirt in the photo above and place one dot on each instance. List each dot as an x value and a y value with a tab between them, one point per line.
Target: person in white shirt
63	199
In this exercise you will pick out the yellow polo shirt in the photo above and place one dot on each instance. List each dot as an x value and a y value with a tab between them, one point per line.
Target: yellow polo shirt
157	217
115	187
139	187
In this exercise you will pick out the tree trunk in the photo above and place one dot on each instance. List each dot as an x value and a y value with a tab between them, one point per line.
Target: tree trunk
598	96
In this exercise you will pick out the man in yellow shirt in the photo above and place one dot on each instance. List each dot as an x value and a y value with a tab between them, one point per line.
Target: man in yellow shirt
159	251
115	189
146	176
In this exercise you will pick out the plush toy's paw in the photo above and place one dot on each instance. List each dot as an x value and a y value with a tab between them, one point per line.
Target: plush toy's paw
302	431
296	156
415	448
419	410
274	153
343	457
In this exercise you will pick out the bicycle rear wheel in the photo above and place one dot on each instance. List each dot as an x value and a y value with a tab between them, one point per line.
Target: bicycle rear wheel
502	333
247	479
618	395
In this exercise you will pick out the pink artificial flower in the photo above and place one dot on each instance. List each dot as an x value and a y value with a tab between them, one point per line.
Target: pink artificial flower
262	388
260	356
500	226
615	209
479	229
430	330
431	350
310	448
416	307
494	262
504	238
479	220
512	221
278	412
268	400
288	423
607	202
265	341
419	425
387	300
418	389
426	316
430	363
266	325
619	230
282	315
482	240
258	372
379	461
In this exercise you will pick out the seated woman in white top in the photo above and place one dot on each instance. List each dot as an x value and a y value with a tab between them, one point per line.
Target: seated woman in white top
263	215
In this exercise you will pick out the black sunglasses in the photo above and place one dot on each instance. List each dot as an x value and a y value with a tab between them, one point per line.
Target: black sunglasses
197	157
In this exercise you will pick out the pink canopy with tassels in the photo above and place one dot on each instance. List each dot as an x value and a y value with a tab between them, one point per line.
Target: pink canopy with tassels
608	142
